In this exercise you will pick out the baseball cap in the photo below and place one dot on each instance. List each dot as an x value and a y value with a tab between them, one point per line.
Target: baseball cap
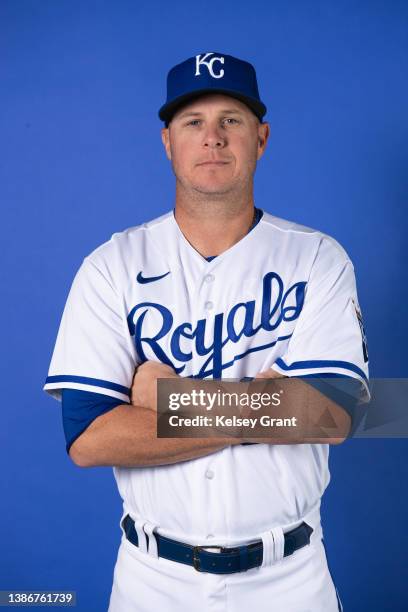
211	72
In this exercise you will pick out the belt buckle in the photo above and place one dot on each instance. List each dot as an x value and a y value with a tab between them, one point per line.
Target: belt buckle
196	558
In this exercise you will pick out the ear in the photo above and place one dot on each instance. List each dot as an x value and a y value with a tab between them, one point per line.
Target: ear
165	136
263	135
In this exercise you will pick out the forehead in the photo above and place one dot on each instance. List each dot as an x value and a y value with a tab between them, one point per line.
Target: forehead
213	103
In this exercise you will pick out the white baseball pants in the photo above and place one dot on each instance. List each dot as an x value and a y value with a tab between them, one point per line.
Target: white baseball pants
300	582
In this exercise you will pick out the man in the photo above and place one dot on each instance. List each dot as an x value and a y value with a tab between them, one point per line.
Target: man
216	289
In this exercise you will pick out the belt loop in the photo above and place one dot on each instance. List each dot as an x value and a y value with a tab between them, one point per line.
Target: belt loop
267	541
141	536
149	529
273	546
279	544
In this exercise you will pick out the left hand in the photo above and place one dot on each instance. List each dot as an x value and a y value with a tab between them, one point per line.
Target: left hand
144	385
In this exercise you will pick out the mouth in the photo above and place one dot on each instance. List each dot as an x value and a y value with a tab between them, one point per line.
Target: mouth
213	163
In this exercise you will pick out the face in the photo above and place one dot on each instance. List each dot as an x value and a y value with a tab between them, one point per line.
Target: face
214	143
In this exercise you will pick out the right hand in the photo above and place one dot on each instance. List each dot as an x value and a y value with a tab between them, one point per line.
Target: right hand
144	385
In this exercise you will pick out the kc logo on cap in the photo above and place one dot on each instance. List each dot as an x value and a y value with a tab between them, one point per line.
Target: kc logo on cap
212	72
202	61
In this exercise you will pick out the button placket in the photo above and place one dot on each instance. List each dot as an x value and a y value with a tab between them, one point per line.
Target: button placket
196	311
208	279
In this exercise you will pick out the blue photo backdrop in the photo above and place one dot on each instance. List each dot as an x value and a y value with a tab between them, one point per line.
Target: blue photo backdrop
81	158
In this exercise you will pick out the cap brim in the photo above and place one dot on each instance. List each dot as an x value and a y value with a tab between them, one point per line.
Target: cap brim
167	111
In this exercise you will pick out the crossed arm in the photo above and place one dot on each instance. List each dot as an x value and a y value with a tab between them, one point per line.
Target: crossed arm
126	436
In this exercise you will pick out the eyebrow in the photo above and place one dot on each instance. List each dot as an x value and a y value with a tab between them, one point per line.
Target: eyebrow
226	111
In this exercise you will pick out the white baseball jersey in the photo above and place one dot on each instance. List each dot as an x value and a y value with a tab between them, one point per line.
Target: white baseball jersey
283	296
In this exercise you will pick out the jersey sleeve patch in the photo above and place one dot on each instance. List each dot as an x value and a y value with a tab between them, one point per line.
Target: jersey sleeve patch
363	334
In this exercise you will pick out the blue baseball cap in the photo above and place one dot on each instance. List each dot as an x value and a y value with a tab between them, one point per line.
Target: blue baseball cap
211	73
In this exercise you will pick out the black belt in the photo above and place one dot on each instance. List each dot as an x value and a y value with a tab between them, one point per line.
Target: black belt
228	560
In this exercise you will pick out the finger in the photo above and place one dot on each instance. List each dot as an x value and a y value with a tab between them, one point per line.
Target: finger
270	373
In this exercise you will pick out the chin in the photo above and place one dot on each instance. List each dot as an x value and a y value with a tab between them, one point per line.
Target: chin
213	192
213	189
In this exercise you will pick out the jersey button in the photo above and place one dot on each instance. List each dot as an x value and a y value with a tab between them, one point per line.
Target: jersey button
209	278
208	305
209	474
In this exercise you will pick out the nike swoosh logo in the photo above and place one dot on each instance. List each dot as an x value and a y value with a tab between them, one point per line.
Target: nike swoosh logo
149	279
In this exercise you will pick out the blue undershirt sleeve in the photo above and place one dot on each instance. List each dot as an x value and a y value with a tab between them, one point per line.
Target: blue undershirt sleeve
80	408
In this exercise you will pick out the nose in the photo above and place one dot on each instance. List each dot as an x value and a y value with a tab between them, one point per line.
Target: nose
213	139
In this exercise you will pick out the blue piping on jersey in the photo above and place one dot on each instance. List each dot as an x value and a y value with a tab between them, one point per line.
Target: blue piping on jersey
325	375
84	380
321	363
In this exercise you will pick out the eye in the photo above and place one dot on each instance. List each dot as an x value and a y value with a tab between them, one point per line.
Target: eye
230	121
194	122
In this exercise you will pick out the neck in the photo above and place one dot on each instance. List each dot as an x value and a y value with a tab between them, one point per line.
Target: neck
213	224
